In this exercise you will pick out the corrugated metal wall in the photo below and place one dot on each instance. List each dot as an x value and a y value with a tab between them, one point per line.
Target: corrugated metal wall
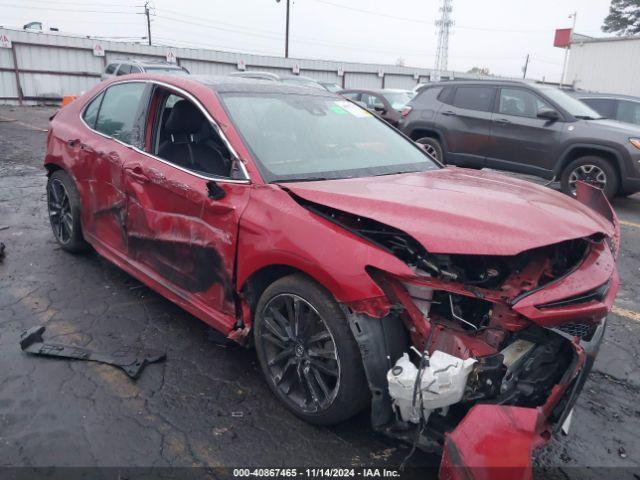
53	65
606	66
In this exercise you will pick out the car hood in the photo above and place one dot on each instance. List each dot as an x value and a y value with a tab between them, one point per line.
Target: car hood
624	129
459	211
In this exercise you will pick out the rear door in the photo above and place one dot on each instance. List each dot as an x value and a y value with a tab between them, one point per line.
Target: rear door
521	141
628	111
117	119
465	123
183	210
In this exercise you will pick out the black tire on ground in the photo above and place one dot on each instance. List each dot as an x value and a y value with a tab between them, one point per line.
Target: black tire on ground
433	147
325	382
63	202
594	170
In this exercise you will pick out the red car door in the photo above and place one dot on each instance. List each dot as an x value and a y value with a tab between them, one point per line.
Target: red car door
181	224
117	119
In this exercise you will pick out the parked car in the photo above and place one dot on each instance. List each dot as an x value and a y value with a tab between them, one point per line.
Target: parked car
274	77
291	219
388	103
623	108
331	87
128	66
526	128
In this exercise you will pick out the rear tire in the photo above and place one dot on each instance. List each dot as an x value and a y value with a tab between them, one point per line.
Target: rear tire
593	170
63	202
313	365
432	147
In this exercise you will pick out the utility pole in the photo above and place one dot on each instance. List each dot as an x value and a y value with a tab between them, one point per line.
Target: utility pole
444	29
146	12
286	32
524	69
574	15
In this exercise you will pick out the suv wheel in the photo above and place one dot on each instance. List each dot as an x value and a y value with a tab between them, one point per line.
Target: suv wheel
593	170
432	147
307	352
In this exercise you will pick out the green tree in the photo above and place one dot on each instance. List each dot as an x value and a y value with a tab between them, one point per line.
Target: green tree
623	18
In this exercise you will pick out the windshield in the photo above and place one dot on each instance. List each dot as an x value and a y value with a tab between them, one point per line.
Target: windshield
302	81
297	137
165	70
398	100
572	105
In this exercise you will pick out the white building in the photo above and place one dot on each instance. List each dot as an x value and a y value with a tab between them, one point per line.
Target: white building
607	65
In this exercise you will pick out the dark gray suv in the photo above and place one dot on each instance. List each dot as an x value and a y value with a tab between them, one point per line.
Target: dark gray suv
526	128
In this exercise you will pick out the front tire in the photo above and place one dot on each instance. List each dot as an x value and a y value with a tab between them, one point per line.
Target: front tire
432	147
308	355
593	170
63	202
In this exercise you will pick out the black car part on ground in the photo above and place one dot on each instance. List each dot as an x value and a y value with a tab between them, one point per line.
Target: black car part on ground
131	360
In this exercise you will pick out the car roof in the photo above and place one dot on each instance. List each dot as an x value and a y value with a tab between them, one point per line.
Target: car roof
615	96
232	84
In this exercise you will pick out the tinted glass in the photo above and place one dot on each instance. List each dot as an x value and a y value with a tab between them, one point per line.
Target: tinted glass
372	101
604	106
572	105
311	137
521	103
474	98
111	68
124	69
166	70
135	69
121	114
629	112
351	95
91	112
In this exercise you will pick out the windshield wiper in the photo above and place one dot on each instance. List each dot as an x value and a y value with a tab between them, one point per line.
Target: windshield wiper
588	117
305	179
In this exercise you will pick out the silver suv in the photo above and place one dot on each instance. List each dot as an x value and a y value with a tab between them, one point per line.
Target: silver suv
128	66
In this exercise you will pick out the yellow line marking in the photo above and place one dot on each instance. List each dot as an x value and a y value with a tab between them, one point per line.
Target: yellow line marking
629	224
623	312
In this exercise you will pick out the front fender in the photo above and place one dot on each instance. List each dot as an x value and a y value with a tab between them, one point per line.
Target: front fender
276	230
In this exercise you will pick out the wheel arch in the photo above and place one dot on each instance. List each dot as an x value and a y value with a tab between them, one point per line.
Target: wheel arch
52	167
608	154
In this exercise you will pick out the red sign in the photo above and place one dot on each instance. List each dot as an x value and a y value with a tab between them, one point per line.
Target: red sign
562	38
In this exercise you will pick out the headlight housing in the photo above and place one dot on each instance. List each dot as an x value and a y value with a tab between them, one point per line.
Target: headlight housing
635	142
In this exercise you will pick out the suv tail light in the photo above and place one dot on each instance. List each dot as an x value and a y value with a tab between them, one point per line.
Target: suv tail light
405	111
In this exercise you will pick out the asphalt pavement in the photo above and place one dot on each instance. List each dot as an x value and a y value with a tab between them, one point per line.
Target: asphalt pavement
207	405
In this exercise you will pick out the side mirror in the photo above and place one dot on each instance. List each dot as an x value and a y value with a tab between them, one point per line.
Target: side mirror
216	192
548	114
380	109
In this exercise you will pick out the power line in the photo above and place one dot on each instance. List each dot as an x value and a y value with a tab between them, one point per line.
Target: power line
370	12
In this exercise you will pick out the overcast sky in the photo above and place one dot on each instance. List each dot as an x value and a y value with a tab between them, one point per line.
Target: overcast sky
496	34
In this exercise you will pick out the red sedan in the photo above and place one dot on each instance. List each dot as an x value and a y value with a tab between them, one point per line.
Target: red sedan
464	308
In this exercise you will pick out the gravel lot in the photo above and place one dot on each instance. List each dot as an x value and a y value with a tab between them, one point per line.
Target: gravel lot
207	405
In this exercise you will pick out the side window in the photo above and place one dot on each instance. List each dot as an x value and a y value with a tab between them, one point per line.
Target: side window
91	112
629	112
604	106
185	138
122	113
373	101
474	98
521	103
111	68
124	69
135	69
351	95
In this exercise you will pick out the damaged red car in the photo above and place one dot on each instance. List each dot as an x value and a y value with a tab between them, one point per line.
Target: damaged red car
463	308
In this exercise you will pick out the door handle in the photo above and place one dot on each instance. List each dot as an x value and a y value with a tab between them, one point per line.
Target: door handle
503	121
449	113
137	173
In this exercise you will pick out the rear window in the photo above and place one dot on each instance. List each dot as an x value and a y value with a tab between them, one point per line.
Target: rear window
111	68
474	98
124	69
121	115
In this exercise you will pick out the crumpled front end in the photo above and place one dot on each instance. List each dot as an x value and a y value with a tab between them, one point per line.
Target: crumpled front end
500	347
